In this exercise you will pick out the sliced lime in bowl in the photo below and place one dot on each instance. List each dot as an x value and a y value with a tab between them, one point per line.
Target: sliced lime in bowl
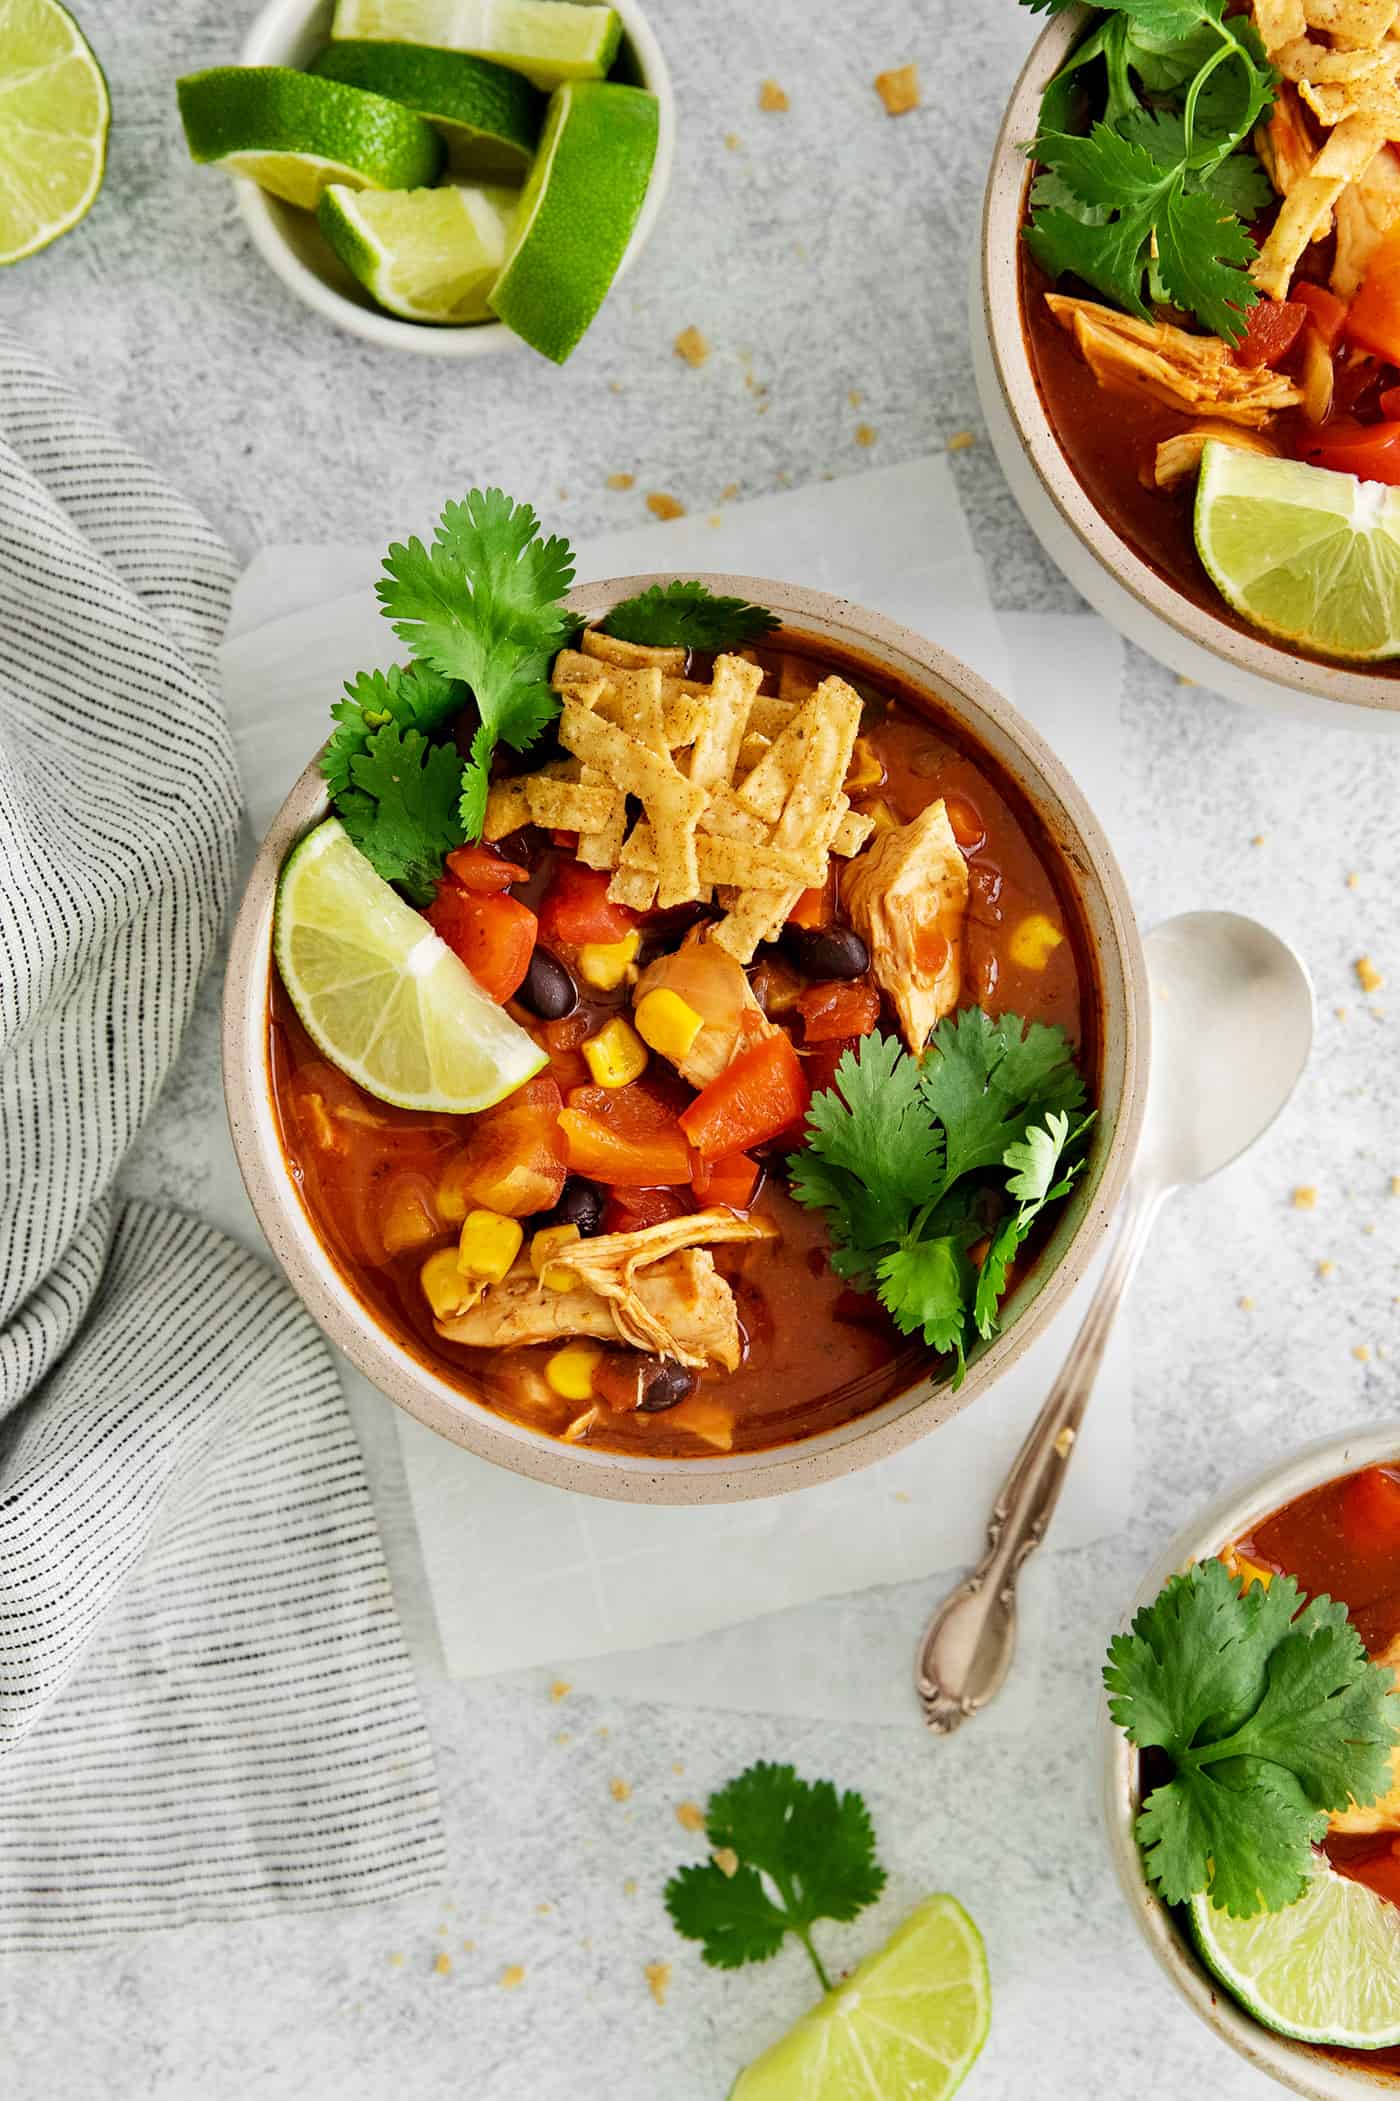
54	115
295	134
425	255
1324	1970
386	999
489	117
549	41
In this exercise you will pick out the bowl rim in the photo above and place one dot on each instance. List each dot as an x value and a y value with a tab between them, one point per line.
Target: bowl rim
1292	2064
269	33
1014	375
918	1406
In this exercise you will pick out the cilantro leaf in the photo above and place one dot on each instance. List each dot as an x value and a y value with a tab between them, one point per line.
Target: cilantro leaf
805	1852
482	605
416	697
873	1123
688	615
402	809
985	1081
926	1289
1271	1716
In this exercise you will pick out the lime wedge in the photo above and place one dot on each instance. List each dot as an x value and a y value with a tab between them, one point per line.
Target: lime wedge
1326	1970
905	2026
295	135
427	255
54	114
385	999
549	41
488	116
1310	556
579	206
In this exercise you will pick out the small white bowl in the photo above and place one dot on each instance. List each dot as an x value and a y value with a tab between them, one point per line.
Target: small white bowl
290	33
1293	2065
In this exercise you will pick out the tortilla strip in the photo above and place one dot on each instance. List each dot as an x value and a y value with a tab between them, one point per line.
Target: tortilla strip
1279	23
771	714
1305	60
729	861
1347	153
722	731
635	887
811	816
851	833
766	790
569	806
672	804
507	808
1357	25
610	649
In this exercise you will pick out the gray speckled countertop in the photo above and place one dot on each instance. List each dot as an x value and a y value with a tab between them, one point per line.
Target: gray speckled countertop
824	251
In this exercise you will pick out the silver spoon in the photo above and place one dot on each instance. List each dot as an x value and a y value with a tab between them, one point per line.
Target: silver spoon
1232	1026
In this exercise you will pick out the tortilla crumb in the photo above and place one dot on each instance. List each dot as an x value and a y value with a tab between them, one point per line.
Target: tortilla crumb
772	97
1353	881
714	519
1340	1012
866	434
726	1860
1246	1305
469	1947
902	1495
511	1976
728	493
663	506
543	1908
1362	1352
621	481
1326	1269
658	1976
1305	1198
691	345
961	440
1395	1185
396	1961
898	90
629	1887
1064	1443
565	1736
1258	839
442	1965
1183	680
678	1765
560	1689
1368	1229
603	1729
1367	975
690	1816
619	1789
854	396
732	141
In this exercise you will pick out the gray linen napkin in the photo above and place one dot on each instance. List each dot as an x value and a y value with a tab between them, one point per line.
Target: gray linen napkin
206	1707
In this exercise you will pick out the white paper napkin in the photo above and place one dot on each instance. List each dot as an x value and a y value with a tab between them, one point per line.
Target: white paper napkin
523	1575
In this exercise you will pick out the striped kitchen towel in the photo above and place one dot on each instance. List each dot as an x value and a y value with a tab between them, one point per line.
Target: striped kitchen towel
206	1706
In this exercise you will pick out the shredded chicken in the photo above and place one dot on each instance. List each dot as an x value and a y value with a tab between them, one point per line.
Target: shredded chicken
1365	212
1179	457
1286	144
1198	374
655	1289
907	898
714	984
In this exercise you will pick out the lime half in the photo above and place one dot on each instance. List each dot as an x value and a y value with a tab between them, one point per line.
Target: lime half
1326	1970
905	2026
295	134
584	197
427	255
1308	555
489	117
385	999
54	114
549	41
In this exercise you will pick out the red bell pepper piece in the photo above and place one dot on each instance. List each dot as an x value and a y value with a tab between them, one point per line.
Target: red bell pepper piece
626	1137
1373	320
1270	331
628	1210
839	1007
1327	311
494	936
759	1094
575	909
1371	451
732	1180
481	870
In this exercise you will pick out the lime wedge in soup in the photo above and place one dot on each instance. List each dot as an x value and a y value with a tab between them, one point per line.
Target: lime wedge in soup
1308	555
426	255
1323	1970
382	995
489	117
54	114
909	2021
295	134
549	41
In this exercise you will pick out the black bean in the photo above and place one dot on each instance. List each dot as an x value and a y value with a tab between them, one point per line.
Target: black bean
580	1204
665	1384
548	989
827	951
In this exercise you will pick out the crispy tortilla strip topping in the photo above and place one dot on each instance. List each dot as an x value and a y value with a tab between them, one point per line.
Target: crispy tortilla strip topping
1357	24
568	806
907	899
1346	154
1279	23
1286	144
1179	458
609	650
507	808
672	805
717	741
1196	373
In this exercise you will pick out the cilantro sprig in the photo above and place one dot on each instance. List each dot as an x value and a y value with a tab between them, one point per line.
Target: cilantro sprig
1271	1714
1148	206
688	615
784	1853
908	1160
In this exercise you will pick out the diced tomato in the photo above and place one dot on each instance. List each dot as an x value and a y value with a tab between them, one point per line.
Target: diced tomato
1369	450
1329	313
821	1061
759	1094
631	1209
816	907
965	820
732	1180
1371	1511
494	936
513	1159
1270	331
839	1007
625	1136
575	908
481	870
1373	319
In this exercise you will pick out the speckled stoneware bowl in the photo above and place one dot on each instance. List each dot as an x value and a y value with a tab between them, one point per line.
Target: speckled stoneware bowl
1110	936
1140	602
290	33
1292	2064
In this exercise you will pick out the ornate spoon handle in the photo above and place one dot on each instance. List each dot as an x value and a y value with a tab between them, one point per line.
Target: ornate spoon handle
966	1652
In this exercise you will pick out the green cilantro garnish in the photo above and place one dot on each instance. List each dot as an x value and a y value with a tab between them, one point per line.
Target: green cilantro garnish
688	616
791	1851
402	809
907	1159
1147	208
415	698
482	604
1271	1716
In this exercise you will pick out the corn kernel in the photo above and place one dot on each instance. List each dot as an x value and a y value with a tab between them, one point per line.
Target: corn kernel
546	1245
447	1291
1034	941
488	1246
668	1023
605	964
865	770
616	1055
570	1370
